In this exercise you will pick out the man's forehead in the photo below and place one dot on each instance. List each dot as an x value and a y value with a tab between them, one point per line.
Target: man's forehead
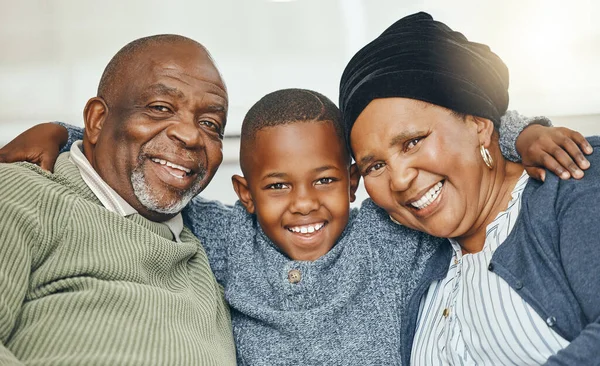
184	54
174	74
184	86
209	94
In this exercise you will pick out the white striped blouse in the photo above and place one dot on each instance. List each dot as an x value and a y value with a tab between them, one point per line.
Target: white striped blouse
473	317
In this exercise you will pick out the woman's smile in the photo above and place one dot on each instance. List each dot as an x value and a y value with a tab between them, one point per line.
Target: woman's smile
428	203
427	199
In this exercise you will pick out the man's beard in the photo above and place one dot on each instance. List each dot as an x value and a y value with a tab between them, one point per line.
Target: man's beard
149	199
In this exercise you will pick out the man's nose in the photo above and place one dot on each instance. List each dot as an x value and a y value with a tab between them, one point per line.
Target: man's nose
186	131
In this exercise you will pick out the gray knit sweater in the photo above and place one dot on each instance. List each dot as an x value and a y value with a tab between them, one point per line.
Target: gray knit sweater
346	308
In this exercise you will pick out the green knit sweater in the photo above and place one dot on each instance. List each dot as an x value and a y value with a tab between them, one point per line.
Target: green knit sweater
80	285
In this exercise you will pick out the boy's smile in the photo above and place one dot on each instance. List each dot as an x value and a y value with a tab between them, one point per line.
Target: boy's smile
307	229
307	235
298	185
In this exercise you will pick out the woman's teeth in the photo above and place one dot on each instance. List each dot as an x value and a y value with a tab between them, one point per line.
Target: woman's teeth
307	229
428	197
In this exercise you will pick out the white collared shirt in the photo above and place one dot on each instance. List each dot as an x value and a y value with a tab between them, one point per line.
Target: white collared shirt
107	196
473	317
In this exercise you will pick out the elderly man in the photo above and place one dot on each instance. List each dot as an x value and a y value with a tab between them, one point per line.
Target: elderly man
95	264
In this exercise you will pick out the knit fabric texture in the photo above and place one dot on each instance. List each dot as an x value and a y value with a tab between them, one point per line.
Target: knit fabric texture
346	308
85	286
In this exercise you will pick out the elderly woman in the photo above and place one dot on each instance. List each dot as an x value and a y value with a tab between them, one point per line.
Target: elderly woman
519	283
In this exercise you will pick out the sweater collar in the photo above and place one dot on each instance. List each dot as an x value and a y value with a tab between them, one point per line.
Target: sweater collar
107	196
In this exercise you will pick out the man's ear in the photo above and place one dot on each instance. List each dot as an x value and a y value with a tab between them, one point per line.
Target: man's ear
94	116
240	185
354	181
485	130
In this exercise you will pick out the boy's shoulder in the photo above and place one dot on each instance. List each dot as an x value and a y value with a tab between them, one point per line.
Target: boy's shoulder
204	215
200	203
376	222
373	226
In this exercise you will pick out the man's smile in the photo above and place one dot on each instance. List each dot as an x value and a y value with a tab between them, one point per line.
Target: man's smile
176	170
179	175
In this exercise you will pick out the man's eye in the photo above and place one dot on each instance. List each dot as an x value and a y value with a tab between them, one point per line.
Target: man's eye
375	169
324	181
412	143
277	186
160	108
213	126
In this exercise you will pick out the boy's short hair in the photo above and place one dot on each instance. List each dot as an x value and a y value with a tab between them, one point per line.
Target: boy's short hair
287	106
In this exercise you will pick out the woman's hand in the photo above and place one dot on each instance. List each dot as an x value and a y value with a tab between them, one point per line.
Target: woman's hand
557	149
38	145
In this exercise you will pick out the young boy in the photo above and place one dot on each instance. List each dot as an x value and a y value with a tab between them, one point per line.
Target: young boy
309	281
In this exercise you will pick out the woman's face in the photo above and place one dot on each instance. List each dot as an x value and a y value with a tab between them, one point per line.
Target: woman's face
422	164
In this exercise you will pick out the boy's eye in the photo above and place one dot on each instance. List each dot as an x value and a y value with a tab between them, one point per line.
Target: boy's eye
375	169
324	181
277	186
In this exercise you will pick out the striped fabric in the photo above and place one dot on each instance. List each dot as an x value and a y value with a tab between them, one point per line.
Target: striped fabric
109	198
473	317
80	285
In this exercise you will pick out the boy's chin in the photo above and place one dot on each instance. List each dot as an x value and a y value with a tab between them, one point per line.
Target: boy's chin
307	248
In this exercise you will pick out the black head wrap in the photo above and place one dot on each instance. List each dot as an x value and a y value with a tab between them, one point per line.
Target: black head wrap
420	58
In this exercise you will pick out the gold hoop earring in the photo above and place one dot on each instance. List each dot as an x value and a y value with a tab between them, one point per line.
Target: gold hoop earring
487	158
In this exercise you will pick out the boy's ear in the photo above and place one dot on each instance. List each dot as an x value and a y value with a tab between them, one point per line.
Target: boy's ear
354	181
240	185
485	130
94	116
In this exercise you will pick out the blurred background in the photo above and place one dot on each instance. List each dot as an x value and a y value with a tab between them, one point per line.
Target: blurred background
54	51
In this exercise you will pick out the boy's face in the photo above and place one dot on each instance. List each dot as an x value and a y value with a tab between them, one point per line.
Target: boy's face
299	187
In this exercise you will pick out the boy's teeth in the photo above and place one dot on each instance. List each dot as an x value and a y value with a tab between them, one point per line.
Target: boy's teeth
307	229
428	197
171	165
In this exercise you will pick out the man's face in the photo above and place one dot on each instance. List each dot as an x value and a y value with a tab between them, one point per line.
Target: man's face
160	144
